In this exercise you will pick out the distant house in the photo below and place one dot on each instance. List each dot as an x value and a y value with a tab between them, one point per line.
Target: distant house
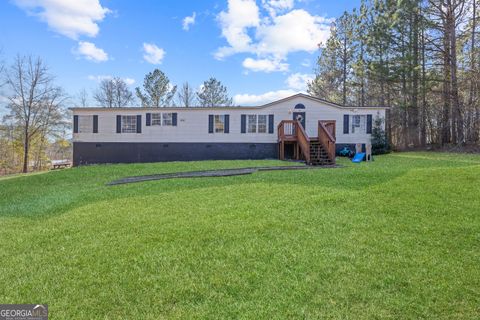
299	126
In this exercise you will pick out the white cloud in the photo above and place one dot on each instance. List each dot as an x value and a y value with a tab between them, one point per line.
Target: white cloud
270	38
129	81
298	81
189	21
4	100
99	78
152	53
241	15
71	18
294	31
90	52
265	65
306	63
252	99
275	6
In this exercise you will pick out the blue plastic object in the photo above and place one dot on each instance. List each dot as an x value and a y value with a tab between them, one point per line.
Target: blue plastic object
344	152
358	157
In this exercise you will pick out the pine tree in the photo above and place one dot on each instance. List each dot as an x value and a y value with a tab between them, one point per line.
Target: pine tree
213	94
157	90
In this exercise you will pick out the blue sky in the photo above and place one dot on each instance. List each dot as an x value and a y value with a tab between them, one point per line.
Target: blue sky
261	50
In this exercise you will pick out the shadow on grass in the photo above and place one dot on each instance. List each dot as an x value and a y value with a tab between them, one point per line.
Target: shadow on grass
58	192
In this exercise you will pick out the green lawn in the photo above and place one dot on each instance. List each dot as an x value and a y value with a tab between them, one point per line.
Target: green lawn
395	238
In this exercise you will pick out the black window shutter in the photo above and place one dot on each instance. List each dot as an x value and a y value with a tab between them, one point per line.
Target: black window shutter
346	117
210	123
243	123
139	124
75	124
369	123
174	119
148	119
95	124
270	123
227	123
119	124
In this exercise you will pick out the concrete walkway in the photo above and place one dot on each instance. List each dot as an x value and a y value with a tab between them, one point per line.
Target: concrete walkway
211	173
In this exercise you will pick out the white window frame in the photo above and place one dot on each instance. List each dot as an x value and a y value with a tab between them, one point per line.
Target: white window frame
129	125
254	124
220	120
258	123
167	119
85	124
359	123
164	119
251	123
156	119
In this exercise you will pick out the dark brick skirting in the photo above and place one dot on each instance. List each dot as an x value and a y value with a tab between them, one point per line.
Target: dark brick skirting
125	152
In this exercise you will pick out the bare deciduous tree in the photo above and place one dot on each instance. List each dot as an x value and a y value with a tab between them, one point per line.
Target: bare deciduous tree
35	104
186	96
83	98
113	93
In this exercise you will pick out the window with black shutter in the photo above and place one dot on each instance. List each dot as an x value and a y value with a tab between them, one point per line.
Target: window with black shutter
75	124
271	123
243	123
210	123
95	124
346	119
369	123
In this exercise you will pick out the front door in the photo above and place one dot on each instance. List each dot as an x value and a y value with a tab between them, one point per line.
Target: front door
300	116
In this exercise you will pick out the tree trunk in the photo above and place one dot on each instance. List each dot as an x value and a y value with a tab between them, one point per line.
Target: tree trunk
26	141
362	80
423	116
413	116
445	136
458	133
345	58
471	123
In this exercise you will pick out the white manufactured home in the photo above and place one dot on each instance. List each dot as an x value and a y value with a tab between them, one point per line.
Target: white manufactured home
300	127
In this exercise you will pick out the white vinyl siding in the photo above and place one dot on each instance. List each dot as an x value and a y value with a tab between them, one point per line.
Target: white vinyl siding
193	124
129	124
85	124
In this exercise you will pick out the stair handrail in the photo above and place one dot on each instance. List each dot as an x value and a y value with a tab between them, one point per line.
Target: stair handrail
303	141
326	138
280	131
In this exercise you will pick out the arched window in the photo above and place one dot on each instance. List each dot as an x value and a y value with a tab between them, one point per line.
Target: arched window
299	106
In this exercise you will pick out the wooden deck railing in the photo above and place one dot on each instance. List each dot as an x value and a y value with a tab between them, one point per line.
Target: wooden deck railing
287	130
303	141
292	130
326	136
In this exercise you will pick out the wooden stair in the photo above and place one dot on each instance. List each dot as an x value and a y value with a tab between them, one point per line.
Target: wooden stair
317	151
318	155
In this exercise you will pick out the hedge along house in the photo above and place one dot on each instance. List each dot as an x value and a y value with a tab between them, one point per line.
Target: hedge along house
297	127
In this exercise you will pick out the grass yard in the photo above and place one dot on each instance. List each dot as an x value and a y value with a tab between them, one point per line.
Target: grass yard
396	238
